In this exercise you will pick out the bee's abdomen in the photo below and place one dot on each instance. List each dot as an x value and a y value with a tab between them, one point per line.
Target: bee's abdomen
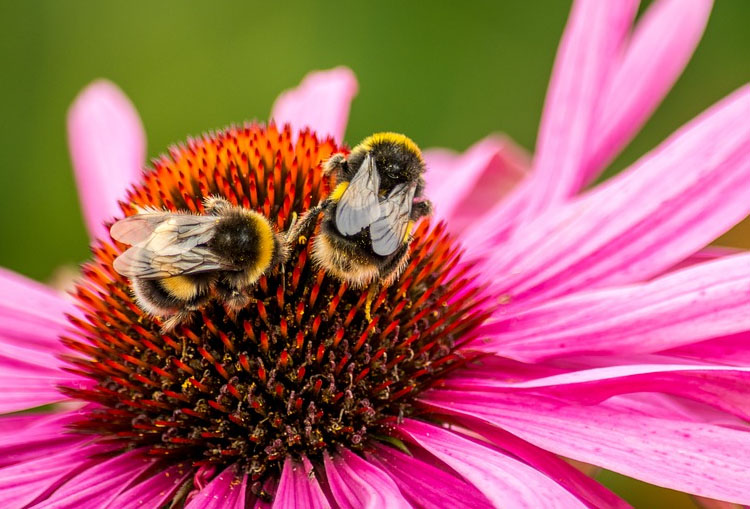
245	239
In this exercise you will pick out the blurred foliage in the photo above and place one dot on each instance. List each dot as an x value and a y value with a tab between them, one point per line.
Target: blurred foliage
447	76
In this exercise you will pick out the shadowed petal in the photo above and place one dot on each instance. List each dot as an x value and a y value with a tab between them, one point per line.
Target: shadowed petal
465	186
701	302
425	485
504	481
718	386
26	437
27	481
298	487
226	491
702	459
320	102
706	254
356	483
731	350
154	491
32	318
108	147
569	477
101	483
593	37
658	51
670	204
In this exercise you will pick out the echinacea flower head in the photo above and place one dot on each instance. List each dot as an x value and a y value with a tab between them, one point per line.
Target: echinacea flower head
532	323
308	366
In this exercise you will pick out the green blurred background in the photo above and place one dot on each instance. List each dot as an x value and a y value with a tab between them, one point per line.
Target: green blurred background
445	75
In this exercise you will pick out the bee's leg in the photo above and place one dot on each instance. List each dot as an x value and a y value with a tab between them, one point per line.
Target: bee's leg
215	205
229	293
173	321
420	209
393	268
335	164
303	228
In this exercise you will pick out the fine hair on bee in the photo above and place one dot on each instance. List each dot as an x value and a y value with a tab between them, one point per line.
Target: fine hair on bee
365	230
178	261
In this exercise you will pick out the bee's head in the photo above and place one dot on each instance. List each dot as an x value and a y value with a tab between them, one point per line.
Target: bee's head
397	158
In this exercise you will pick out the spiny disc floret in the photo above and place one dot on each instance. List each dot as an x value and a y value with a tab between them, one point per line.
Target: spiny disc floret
302	368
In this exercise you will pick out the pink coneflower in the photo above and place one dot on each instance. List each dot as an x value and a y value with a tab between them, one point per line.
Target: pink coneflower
548	323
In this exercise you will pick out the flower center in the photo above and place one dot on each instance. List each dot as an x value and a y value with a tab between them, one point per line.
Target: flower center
304	366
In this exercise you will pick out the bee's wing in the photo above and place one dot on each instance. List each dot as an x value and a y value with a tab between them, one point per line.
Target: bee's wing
389	231
358	208
169	245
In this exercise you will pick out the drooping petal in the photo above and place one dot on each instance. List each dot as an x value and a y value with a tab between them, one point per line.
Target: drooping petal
355	483
23	483
706	254
465	186
226	491
593	38
32	318
27	437
320	102
298	487
731	350
693	304
670	204
425	485
568	476
108	148
101	483
720	387
662	44
31	314
505	481
697	458
156	490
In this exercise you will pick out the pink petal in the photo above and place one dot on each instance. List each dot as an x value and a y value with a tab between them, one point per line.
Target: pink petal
696	458
25	482
108	147
694	304
298	487
424	485
720	387
156	490
667	206
593	38
569	477
226	491
32	314
731	350
705	255
503	480
356	483
464	186
27	437
100	484
661	46
320	102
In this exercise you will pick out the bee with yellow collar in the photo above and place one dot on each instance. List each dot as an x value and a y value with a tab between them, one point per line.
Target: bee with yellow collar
365	232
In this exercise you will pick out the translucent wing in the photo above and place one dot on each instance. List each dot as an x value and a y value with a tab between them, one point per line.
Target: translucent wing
389	231
166	245
358	208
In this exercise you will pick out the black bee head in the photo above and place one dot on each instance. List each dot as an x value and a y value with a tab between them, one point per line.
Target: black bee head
397	158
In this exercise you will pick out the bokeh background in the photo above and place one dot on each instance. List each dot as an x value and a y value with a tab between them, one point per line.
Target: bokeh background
445	75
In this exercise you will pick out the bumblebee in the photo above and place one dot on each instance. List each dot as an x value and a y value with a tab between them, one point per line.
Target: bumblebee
365	231
179	260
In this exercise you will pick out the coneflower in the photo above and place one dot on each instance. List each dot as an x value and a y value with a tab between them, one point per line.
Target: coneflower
532	322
